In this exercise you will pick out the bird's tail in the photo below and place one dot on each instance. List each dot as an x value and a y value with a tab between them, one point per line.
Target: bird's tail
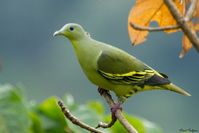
177	89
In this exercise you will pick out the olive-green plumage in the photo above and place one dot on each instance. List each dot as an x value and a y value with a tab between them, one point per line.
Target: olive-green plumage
112	68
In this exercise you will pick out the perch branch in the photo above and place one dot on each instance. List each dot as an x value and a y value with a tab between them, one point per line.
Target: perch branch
191	10
143	28
188	31
76	121
118	114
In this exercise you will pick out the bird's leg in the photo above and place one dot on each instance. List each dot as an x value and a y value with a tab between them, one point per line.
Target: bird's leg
114	108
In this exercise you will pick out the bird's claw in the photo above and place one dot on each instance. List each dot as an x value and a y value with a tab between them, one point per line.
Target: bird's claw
115	107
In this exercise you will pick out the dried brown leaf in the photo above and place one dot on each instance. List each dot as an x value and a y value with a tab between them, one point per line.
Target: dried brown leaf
196	13
196	26
146	11
186	44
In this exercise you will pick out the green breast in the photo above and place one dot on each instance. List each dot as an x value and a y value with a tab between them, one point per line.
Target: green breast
87	53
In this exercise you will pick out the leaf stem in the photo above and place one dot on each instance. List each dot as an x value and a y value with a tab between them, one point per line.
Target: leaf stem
154	29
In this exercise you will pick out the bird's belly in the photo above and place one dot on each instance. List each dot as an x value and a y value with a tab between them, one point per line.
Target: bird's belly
98	80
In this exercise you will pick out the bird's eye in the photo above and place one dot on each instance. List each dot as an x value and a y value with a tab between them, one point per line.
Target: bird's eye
71	28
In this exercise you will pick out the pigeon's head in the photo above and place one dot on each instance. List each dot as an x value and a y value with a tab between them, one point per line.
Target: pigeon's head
72	31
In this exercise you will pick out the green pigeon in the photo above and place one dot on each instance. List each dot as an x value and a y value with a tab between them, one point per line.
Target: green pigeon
113	69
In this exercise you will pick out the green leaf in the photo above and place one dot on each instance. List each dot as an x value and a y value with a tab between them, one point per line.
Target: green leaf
150	126
47	117
96	106
69	101
36	126
14	116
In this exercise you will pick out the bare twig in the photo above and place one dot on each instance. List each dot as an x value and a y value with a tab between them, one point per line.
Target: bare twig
191	10
107	125
188	31
118	114
76	121
143	28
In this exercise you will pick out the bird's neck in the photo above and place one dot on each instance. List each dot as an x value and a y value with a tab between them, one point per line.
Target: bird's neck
85	49
80	44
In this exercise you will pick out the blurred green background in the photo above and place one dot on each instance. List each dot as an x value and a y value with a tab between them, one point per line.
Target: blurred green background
46	66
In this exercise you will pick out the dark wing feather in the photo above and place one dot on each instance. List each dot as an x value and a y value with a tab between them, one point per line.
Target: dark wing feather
157	80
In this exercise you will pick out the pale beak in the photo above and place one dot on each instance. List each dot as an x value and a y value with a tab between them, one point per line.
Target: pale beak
57	33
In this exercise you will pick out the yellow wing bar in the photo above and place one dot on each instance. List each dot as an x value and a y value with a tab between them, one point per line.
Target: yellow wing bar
133	77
